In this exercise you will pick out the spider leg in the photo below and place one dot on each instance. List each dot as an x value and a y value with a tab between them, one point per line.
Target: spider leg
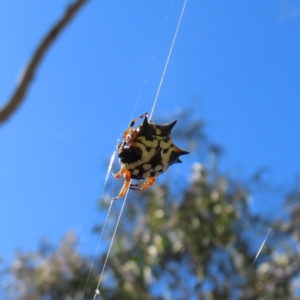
127	131
120	173
143	186
126	183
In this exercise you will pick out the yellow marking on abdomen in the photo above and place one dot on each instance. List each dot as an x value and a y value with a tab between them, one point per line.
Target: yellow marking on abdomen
149	144
165	145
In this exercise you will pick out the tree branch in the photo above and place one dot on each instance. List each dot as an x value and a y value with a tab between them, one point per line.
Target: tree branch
19	93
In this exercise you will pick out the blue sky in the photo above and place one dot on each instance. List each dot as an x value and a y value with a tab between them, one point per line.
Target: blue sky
239	59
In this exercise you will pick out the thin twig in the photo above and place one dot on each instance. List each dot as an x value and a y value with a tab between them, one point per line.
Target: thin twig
19	93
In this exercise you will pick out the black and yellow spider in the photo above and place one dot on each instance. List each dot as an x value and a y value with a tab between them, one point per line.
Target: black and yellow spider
146	152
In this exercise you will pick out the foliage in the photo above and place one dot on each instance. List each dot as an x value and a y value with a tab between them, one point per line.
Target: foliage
196	240
49	273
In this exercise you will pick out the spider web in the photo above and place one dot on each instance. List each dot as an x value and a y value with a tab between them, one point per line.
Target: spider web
97	290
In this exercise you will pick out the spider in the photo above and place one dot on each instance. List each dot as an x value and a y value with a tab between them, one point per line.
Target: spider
146	152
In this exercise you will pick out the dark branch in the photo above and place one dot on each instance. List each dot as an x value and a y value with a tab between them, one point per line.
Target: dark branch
20	91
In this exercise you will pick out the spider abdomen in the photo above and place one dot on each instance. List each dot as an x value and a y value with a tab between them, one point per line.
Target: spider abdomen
146	152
